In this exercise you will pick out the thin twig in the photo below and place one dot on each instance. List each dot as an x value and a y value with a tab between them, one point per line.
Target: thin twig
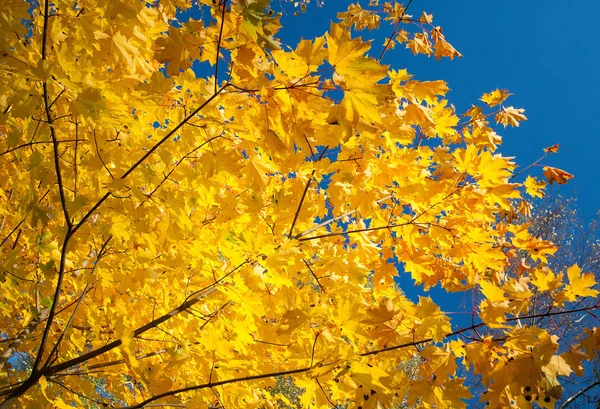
219	43
100	157
390	38
528	167
11	232
301	201
304	194
28	144
98	402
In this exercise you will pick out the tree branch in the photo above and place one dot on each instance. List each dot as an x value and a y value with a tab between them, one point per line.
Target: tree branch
306	369
304	194
72	317
219	43
390	38
190	300
578	394
61	188
146	155
301	201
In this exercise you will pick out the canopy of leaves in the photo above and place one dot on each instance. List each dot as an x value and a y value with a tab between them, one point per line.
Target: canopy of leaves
178	236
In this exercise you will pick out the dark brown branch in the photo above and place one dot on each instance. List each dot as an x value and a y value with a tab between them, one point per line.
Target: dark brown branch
35	374
179	162
75	160
114	344
366	229
113	363
146	155
333	405
389	226
475	326
61	188
16	276
72	317
310	179
325	223
63	201
56	99
190	300
216	383
172	132
270	343
578	394
281	88
306	369
100	156
98	402
528	167
28	144
312	355
301	201
319	282
12	232
224	5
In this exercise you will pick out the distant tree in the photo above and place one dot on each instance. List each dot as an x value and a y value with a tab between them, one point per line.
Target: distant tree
559	219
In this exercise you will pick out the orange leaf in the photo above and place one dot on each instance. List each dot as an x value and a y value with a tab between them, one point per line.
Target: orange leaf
557	175
552	149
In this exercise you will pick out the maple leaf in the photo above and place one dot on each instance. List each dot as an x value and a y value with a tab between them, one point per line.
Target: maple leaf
420	44
426	18
580	284
495	97
360	18
552	149
510	116
557	175
533	187
442	47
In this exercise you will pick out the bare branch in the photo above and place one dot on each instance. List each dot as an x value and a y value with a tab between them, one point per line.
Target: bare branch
578	394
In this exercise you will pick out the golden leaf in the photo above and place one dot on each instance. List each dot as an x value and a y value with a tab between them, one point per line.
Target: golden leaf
510	116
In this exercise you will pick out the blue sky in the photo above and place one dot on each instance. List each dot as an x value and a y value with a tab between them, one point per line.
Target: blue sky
542	52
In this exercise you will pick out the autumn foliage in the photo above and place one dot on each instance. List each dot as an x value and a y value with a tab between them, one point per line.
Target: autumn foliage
190	208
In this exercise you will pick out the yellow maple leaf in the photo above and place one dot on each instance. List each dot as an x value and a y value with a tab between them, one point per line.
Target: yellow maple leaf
493	314
510	116
492	292
533	187
580	284
496	97
420	44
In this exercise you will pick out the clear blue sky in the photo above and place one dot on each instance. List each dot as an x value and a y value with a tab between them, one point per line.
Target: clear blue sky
543	52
